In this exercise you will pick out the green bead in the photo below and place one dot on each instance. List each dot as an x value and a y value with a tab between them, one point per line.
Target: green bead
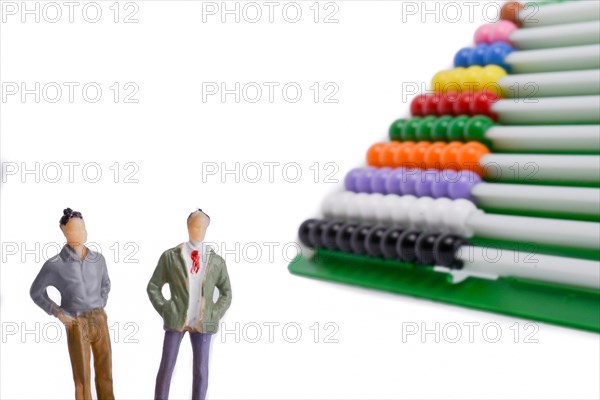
397	128
424	130
477	127
410	130
456	129
440	129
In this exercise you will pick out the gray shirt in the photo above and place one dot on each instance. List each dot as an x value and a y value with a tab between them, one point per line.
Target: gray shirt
83	284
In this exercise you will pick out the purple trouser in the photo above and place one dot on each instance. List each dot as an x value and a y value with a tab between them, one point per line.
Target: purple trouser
200	348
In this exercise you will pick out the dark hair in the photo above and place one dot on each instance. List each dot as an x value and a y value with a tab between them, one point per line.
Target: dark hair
198	210
68	214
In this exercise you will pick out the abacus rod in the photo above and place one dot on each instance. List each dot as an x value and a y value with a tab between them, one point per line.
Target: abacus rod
548	84
557	59
533	168
554	232
528	264
575	34
537	198
557	14
548	110
545	138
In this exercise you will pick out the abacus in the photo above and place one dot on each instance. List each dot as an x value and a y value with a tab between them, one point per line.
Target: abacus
488	195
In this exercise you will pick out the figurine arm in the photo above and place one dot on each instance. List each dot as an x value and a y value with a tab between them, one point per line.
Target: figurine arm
105	288
224	286
38	292
156	283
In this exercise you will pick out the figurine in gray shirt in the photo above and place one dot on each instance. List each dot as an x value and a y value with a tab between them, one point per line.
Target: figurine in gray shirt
81	277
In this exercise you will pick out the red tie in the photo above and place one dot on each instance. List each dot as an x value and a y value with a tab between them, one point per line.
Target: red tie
195	262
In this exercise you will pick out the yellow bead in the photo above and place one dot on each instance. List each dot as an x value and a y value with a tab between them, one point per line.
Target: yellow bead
440	81
472	78
490	76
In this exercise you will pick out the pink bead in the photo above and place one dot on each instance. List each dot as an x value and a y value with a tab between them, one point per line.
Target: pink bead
502	32
482	34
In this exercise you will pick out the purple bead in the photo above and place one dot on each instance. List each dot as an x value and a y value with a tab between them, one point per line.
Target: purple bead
350	179
379	179
445	177
363	181
409	181
425	184
461	188
392	182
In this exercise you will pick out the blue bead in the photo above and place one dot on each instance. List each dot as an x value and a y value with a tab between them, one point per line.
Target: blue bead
478	54
496	54
461	59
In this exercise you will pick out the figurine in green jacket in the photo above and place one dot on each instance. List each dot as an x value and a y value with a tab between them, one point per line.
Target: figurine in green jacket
192	270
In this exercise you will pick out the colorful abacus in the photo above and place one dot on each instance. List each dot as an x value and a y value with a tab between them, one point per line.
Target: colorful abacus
488	197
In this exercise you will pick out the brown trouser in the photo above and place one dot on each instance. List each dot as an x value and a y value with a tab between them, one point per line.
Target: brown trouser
90	330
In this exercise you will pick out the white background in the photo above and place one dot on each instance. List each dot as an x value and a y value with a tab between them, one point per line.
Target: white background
172	135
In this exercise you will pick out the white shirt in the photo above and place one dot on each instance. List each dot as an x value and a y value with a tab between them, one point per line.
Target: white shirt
195	281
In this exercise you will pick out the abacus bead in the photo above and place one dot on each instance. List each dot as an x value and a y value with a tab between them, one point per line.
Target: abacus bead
462	57
416	106
330	205
445	249
417	156
469	155
343	202
462	105
461	188
374	154
368	206
448	156
410	130
424	248
418	214
456	129
401	211
315	234
424	186
389	243
363	180
431	105
502	32
496	54
483	33
445	178
446	104
344	235
490	77
373	241
482	104
455	220
435	217
357	240
388	155
478	55
396	129
406	247
433	154
329	235
303	232
441	80
439	131
384	210
425	129
407	185
510	12
392	182
350	179
378	180
403	154
472	78
477	127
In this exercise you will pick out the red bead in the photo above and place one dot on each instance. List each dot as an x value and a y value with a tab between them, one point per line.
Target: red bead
482	103
417	105
462	105
446	104
430	106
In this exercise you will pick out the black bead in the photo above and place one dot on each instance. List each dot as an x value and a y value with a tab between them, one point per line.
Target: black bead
424	247
389	243
316	234
406	246
445	251
357	241
304	230
330	231
344	236
373	241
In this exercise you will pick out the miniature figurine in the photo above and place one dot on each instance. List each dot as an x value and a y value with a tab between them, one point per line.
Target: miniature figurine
81	277
192	270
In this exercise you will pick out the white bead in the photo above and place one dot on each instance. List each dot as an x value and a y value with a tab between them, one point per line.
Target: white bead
386	209
456	218
328	205
401	210
435	216
418	214
364	207
341	207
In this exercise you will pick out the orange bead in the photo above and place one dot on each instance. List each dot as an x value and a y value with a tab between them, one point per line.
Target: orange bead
388	155
448	156
403	153
510	12
374	154
417	156
432	155
469	156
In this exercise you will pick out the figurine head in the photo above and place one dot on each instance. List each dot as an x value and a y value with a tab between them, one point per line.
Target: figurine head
73	227
197	223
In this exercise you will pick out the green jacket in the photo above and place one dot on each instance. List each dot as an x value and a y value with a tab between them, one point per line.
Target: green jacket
172	269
